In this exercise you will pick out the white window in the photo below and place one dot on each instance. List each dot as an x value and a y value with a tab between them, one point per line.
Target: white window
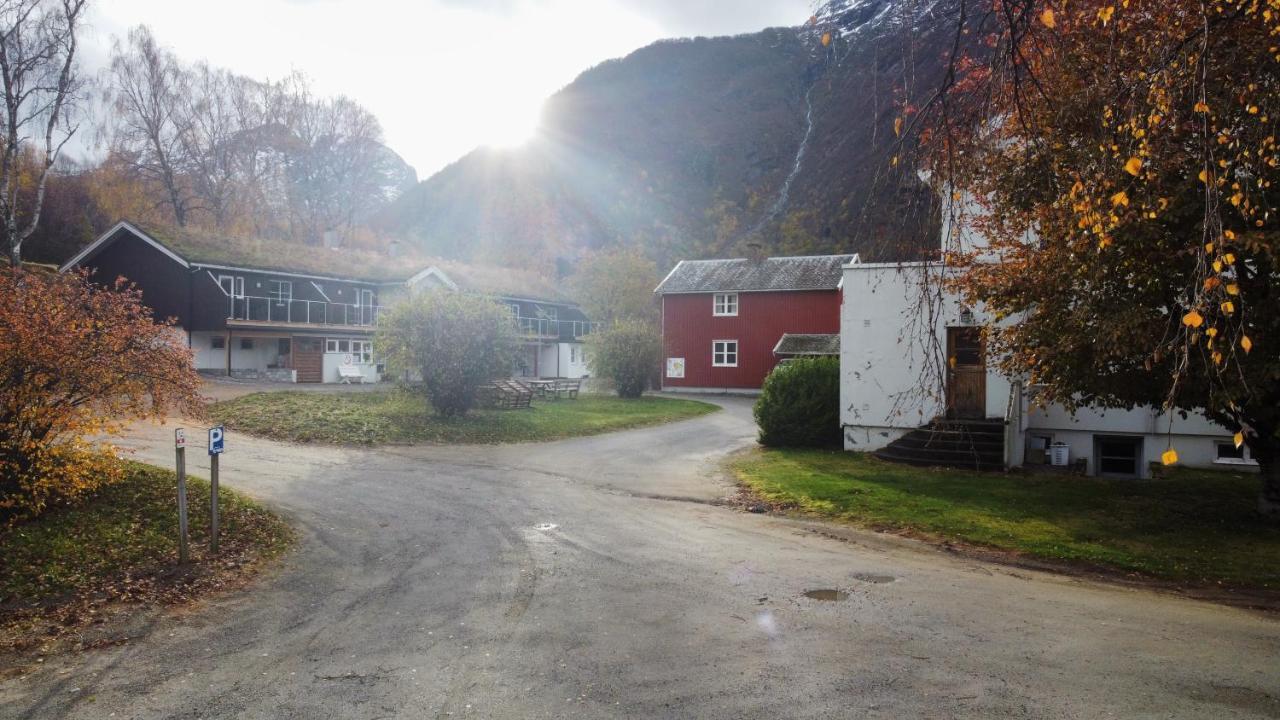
280	290
363	350
232	285
726	304
573	353
724	353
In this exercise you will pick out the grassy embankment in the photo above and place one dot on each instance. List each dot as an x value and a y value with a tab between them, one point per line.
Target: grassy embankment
393	416
1193	526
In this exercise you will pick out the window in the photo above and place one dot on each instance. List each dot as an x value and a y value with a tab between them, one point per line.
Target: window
246	343
1228	453
573	353
724	353
1118	455
363	350
232	285
217	342
726	304
337	346
280	290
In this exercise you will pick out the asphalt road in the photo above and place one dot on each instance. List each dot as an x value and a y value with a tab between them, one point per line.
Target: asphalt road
591	578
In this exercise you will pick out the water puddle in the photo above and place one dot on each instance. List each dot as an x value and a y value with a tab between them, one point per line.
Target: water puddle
827	595
545	527
873	578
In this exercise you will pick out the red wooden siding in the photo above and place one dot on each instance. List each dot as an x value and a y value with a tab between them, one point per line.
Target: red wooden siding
689	328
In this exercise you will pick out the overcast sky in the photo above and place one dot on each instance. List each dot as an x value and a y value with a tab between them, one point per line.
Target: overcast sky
443	76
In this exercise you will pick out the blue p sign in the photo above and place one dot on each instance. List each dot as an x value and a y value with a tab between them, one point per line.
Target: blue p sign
217	437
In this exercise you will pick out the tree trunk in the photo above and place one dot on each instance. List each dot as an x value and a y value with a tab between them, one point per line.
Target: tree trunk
1267	453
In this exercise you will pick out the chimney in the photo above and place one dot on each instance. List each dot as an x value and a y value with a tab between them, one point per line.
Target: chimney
331	240
755	251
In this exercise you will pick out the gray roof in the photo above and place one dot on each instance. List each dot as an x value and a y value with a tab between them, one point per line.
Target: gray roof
801	344
809	272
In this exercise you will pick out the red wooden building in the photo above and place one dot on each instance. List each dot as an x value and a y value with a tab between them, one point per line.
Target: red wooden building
723	320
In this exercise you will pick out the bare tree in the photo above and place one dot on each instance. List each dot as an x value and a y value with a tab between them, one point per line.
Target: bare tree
147	89
41	87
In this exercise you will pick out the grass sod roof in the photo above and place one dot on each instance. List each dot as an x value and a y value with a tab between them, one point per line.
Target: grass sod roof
202	247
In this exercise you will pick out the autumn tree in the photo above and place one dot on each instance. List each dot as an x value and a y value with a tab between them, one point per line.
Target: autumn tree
628	353
449	342
77	359
616	284
1119	158
41	86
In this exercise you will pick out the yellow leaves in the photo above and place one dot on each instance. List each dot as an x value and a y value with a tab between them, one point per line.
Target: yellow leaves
1105	14
1217	357
1208	247
1046	17
1204	176
1120	198
1246	344
1170	457
1228	235
826	39
1238	439
1212	332
1201	107
897	127
1104	242
1233	289
1235	199
1133	166
1217	266
1229	258
1210	283
1193	319
1228	307
951	362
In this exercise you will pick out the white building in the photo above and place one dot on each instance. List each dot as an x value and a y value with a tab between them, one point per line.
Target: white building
902	397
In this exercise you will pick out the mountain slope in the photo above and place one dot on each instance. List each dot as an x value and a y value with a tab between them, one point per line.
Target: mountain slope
696	148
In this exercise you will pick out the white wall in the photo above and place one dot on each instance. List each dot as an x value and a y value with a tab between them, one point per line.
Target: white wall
332	361
263	353
883	355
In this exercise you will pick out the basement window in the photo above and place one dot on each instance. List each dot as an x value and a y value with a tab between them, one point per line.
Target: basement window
1118	456
217	342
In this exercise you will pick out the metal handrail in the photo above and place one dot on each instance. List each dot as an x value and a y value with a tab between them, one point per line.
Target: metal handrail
253	308
546	327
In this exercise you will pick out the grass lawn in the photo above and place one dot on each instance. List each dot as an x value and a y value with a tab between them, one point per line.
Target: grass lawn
120	543
394	416
1193	526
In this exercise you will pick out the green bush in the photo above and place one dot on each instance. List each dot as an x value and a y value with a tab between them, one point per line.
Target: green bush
627	353
799	405
454	342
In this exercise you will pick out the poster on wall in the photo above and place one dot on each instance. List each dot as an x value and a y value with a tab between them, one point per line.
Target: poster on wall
675	367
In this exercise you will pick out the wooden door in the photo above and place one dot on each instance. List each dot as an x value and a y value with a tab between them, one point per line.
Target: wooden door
308	359
966	373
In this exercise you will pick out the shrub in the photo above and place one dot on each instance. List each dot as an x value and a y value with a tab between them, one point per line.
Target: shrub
455	342
799	405
77	359
627	353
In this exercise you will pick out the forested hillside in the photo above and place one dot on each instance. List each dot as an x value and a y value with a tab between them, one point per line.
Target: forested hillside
696	148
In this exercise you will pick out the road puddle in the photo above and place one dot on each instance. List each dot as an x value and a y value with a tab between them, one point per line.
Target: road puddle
545	527
873	578
827	595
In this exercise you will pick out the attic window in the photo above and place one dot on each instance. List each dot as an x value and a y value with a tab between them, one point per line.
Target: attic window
725	305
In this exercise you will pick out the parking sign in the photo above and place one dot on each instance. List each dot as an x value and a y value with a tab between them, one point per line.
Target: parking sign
180	438
217	437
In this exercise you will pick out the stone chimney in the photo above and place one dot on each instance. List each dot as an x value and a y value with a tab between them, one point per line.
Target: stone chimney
755	251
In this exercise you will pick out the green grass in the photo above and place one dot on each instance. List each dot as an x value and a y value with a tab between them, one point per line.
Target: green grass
121	543
1194	526
395	416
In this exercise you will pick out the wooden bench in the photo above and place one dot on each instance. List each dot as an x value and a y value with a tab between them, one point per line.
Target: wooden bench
347	373
506	395
566	386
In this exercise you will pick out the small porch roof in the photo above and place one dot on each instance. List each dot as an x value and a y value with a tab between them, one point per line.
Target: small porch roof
792	344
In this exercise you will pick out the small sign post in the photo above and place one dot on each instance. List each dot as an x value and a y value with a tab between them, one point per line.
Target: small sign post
180	448
217	437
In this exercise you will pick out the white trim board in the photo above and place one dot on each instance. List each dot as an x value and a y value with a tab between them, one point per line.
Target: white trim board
104	237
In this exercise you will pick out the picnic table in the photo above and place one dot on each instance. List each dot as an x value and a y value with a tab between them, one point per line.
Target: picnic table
554	387
540	386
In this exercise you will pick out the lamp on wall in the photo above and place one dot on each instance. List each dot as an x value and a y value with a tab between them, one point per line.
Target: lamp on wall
966	316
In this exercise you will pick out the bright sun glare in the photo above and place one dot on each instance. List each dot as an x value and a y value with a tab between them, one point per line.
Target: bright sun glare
511	126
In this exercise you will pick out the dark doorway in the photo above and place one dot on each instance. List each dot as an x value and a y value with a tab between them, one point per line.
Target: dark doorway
966	373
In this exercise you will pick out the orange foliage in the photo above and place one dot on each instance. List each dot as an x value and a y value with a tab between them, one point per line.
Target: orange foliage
77	359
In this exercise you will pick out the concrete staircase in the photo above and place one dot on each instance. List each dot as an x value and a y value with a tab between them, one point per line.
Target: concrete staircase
964	444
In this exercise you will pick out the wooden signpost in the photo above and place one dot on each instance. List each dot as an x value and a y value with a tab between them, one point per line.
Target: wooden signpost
217	436
180	447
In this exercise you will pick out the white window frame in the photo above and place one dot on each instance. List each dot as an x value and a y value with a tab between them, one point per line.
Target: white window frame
724	304
720	353
280	290
236	289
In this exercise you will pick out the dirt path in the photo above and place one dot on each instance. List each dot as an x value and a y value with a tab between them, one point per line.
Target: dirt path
593	578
